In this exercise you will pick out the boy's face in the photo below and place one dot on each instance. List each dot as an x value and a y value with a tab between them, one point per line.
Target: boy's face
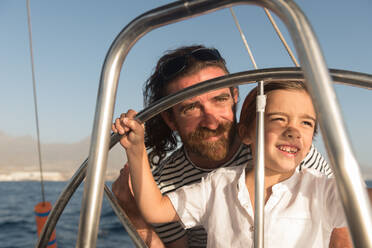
289	128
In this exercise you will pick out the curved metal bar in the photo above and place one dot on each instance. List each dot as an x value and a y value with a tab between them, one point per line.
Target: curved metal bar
348	176
344	77
60	205
350	184
93	188
65	197
137	240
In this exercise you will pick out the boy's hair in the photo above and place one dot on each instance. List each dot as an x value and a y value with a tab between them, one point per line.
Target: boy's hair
248	112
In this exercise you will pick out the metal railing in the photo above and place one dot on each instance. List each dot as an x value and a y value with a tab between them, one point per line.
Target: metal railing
269	74
346	169
349	181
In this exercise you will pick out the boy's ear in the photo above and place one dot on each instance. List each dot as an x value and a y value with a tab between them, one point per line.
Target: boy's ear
244	134
168	120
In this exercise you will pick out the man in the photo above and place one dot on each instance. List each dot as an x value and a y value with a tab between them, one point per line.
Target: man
206	125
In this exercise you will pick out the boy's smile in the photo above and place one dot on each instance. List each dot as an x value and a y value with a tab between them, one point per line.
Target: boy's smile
288	150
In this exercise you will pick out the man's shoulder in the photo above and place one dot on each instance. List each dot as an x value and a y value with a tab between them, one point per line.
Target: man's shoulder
316	161
176	159
175	172
242	156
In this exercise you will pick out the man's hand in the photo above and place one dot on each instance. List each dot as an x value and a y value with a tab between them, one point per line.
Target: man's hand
340	238
122	190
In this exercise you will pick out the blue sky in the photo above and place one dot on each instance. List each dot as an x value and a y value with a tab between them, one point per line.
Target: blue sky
71	39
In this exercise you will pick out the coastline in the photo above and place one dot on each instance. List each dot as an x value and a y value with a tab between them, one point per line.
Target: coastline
53	176
56	176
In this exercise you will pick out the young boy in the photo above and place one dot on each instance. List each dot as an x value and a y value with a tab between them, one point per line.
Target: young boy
301	207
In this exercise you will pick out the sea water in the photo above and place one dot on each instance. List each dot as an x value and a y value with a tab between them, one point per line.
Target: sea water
17	219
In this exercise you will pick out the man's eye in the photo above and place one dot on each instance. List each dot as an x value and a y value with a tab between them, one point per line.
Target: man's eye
189	108
222	99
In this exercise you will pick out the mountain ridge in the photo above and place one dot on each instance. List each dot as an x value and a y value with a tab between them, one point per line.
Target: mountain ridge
19	154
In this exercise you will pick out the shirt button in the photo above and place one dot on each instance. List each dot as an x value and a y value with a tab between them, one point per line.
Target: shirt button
251	229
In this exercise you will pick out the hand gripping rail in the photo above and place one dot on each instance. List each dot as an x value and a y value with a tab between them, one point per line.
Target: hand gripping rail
269	74
350	185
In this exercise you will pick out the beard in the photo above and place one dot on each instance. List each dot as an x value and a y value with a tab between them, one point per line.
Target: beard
196	142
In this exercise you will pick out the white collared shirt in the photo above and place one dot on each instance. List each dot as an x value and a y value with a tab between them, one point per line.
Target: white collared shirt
301	211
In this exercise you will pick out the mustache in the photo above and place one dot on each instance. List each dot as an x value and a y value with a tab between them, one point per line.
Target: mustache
204	132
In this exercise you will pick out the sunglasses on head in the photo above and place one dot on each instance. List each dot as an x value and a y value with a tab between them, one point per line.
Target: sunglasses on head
176	65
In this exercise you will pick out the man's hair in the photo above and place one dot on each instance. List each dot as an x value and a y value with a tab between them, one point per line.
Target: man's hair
248	112
159	138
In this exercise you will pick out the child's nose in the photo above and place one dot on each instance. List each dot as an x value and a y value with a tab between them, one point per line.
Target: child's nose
292	132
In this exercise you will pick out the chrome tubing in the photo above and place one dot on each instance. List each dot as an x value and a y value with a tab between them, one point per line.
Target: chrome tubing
350	184
93	188
344	77
123	218
65	197
357	207
259	175
60	205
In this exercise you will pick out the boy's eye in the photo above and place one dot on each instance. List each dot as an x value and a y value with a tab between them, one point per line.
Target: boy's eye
277	119
308	123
